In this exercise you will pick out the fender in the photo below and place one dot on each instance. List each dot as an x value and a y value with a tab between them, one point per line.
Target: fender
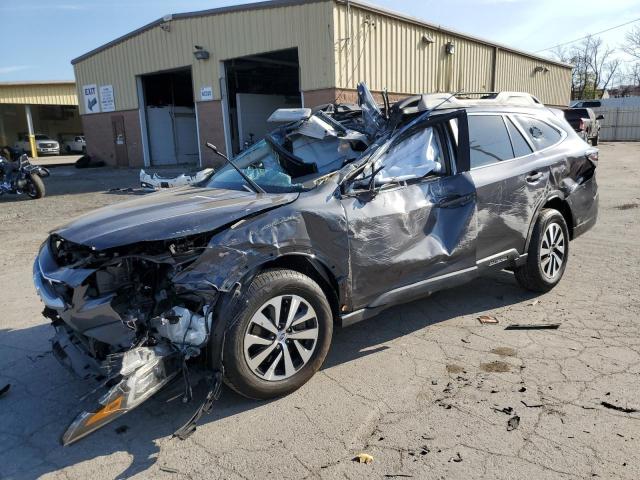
553	195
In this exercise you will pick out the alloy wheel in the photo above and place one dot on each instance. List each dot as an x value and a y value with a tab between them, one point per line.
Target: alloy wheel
552	251
281	337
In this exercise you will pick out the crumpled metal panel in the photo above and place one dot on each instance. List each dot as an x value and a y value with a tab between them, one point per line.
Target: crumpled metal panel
404	235
307	228
167	214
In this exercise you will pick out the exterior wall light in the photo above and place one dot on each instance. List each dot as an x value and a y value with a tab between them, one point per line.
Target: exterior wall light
200	53
450	48
540	69
427	39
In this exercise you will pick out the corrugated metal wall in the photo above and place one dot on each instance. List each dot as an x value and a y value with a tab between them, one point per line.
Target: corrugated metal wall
39	94
619	123
225	36
389	52
517	72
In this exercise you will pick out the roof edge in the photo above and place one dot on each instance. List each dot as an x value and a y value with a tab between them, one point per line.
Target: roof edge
417	21
198	13
37	82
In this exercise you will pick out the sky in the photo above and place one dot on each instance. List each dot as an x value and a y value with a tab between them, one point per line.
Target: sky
38	38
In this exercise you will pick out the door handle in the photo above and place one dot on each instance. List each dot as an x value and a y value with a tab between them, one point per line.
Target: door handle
533	177
454	201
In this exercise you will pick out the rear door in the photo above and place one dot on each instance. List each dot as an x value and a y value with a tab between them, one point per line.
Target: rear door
510	168
419	230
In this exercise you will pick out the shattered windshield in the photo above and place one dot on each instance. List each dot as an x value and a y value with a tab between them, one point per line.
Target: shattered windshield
262	164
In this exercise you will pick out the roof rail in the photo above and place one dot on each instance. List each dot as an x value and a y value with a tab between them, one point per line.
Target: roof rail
467	99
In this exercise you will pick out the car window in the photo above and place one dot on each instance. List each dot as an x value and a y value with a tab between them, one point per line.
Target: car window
520	145
262	164
42	137
413	157
542	135
488	140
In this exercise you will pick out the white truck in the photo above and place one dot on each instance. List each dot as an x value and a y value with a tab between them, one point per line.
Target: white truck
75	144
44	145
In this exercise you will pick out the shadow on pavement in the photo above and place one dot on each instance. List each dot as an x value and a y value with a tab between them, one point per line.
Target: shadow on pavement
43	398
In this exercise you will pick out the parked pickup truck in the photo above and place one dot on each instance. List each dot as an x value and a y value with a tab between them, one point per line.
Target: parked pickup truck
585	122
44	145
75	144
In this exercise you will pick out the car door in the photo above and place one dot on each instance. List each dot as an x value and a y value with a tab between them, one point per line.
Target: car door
418	231
510	181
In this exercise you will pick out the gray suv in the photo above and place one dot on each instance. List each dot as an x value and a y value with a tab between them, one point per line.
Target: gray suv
338	214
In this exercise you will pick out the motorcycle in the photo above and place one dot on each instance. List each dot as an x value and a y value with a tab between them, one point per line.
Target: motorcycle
18	175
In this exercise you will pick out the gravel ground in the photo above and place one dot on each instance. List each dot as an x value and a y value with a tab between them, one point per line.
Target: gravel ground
424	388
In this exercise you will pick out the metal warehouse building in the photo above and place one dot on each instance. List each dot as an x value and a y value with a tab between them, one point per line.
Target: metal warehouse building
47	107
157	94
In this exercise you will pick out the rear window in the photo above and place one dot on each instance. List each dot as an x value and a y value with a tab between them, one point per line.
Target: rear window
541	134
576	113
488	140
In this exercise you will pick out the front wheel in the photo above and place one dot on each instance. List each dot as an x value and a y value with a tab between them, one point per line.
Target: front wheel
548	253
280	334
35	187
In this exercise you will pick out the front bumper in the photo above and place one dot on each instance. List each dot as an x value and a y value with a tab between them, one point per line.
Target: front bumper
63	290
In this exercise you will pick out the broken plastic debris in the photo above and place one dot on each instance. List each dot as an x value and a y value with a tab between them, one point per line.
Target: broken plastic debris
513	423
618	408
5	389
533	326
487	319
363	458
457	458
155	181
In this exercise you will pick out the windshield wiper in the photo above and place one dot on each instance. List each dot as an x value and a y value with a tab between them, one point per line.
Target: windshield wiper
257	188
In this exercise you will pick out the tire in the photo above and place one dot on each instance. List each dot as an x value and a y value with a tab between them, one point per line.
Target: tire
35	187
541	272
67	149
268	378
594	140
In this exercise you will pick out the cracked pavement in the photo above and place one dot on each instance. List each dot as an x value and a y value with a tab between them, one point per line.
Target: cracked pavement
424	388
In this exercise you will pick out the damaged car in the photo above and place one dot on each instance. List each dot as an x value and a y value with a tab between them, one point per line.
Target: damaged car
339	213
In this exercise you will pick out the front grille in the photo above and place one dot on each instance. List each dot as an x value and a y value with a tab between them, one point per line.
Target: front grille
47	145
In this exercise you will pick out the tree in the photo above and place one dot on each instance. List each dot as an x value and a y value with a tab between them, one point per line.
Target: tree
631	44
594	67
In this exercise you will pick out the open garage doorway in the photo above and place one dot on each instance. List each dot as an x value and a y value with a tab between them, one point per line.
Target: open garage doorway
170	117
256	86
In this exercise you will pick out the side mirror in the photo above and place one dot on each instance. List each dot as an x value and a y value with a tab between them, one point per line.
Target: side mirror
600	117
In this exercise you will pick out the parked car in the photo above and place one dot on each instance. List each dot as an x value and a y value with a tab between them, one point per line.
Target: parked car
76	144
330	219
586	104
44	145
585	122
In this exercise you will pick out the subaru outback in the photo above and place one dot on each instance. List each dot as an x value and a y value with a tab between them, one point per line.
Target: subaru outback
339	213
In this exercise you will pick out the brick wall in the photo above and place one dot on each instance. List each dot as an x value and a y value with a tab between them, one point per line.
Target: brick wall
98	132
211	129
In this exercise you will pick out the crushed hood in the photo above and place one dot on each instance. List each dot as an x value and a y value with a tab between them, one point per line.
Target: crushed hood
165	215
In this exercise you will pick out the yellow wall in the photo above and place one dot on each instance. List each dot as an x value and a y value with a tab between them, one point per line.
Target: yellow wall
389	52
225	36
385	51
39	93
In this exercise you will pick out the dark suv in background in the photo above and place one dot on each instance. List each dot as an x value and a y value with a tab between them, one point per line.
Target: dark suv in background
339	213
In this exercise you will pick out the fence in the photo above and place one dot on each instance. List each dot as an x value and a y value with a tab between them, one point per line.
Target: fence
619	124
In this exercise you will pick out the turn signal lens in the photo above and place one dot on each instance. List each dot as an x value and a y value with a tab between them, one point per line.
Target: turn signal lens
109	409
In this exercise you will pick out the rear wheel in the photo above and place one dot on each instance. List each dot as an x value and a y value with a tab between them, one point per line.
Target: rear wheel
35	187
547	255
594	140
279	336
